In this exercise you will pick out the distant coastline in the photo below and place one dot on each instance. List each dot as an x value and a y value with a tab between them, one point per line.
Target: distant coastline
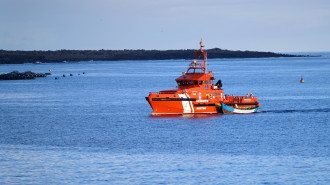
19	57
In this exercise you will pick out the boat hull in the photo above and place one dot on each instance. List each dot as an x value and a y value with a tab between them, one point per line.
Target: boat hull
233	110
180	106
192	106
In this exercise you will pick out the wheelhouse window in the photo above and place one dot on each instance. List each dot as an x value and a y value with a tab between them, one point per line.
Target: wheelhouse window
180	83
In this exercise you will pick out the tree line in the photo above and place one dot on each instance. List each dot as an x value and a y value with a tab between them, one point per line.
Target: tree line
19	57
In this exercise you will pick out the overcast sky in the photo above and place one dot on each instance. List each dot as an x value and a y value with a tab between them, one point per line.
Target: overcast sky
260	25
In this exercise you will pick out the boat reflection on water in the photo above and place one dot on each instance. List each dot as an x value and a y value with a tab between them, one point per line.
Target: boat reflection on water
189	116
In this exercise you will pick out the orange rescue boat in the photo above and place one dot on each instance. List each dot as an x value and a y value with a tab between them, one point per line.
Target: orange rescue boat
197	93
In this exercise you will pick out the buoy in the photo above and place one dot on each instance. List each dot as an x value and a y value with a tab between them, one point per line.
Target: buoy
50	70
302	80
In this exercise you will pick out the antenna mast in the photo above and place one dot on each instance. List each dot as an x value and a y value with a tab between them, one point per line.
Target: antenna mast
204	54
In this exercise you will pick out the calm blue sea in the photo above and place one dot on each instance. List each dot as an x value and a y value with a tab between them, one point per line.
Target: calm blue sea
97	128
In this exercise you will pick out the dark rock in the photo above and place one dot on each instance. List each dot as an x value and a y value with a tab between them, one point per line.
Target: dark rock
16	75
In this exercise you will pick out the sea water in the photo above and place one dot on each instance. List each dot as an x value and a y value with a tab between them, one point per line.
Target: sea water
97	128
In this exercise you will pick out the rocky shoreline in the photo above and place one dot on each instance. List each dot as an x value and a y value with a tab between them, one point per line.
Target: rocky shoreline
16	75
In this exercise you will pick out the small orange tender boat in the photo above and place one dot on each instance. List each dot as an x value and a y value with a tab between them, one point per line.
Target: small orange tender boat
196	93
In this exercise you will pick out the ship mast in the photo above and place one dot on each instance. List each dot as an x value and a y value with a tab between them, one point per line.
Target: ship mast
195	64
204	54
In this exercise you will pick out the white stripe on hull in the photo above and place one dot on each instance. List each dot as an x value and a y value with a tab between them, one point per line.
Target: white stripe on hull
191	104
185	104
240	111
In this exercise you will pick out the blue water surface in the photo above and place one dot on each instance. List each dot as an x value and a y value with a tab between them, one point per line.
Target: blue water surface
97	128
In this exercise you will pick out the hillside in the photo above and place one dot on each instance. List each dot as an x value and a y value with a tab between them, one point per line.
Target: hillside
18	57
